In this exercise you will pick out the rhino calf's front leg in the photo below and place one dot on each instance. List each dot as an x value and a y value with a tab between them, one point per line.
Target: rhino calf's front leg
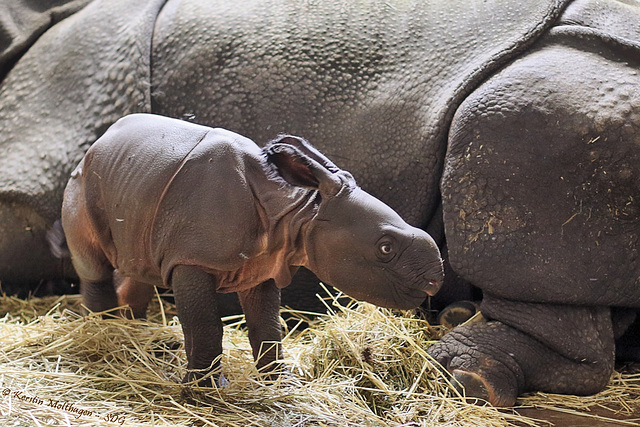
261	307
195	296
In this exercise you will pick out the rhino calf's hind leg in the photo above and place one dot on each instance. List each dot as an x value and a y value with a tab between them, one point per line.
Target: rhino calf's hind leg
136	295
261	307
96	280
96	283
88	258
98	295
195	296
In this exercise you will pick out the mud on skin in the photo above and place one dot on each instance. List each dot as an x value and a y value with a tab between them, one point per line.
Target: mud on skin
470	119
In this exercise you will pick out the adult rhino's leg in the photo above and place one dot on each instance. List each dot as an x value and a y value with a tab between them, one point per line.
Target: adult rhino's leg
23	245
540	200
540	190
565	349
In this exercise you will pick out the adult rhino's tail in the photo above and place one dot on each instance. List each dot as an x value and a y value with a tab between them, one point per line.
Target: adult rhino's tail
58	241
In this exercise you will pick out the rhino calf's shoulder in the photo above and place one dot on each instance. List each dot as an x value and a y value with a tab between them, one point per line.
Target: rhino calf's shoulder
206	211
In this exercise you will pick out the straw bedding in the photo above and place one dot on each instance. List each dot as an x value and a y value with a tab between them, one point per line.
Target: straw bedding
363	366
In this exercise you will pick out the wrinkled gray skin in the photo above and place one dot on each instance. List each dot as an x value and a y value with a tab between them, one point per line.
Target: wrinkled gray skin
508	130
206	211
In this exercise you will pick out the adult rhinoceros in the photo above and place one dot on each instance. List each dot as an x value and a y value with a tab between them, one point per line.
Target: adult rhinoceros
510	129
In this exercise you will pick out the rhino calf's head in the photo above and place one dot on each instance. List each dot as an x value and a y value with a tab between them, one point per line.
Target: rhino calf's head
354	241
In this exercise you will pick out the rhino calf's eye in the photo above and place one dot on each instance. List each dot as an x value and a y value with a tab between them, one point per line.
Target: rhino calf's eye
385	248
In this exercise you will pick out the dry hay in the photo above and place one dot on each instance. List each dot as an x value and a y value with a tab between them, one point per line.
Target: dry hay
364	366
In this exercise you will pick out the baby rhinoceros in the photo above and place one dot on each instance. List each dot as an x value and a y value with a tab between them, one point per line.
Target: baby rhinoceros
206	211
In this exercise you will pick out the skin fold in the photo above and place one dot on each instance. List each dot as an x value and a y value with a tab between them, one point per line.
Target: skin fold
507	130
540	208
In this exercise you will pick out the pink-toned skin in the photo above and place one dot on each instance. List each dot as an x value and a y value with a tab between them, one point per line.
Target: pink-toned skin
206	211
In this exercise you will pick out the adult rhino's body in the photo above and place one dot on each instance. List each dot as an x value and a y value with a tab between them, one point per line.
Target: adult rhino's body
519	119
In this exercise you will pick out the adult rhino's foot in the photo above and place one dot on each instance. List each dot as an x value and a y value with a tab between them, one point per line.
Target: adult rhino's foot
473	385
529	347
457	313
479	369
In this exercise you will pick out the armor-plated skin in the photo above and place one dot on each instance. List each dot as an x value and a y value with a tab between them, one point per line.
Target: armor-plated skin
206	211
509	130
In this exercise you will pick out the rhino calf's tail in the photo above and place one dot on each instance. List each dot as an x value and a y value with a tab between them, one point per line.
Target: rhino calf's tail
58	241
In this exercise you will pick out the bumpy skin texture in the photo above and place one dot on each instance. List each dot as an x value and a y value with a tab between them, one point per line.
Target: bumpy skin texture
23	21
55	102
540	196
388	78
525	142
206	212
385	76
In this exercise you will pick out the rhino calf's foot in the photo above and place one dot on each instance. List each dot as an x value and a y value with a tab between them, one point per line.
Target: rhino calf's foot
207	377
194	396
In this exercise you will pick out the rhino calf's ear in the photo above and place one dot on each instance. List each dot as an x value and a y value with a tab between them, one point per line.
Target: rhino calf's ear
292	165
307	149
301	170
